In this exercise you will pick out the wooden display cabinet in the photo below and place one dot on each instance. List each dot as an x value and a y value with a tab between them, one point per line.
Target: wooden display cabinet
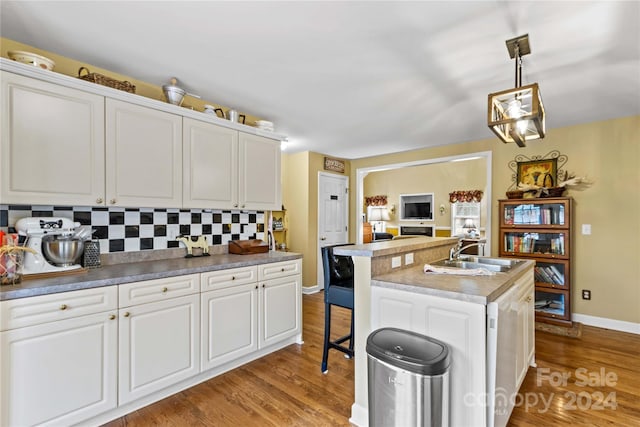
541	229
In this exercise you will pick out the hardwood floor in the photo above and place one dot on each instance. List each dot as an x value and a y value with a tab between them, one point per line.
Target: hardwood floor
287	388
594	380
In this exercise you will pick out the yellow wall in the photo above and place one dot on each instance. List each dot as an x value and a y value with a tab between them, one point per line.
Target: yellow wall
300	197
437	178
70	67
607	262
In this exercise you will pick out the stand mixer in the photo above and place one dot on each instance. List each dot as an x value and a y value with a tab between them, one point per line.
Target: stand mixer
48	228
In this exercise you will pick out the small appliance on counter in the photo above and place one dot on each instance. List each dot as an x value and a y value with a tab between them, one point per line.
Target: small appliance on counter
56	246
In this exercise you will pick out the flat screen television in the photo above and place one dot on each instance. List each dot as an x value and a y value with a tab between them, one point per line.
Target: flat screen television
417	210
416	207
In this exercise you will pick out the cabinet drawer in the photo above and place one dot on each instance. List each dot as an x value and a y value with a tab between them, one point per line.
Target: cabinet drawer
279	269
231	277
157	290
30	311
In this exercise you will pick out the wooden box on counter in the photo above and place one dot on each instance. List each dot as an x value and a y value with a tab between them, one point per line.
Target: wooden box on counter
246	247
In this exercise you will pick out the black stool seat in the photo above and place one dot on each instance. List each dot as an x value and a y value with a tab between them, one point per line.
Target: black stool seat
338	290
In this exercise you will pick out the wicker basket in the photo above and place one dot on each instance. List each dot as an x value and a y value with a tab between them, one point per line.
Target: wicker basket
553	192
515	194
105	81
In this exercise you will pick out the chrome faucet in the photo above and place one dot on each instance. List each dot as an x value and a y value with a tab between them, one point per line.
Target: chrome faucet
454	252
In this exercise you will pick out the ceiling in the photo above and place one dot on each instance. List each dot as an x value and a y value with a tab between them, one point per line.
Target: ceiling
356	79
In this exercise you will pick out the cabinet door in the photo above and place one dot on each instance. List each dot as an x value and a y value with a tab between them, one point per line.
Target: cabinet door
229	324
210	166
260	182
535	243
280	309
460	324
536	213
525	328
59	373
159	345
143	156
52	144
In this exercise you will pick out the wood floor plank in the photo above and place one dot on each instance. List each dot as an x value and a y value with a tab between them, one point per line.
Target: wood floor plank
286	388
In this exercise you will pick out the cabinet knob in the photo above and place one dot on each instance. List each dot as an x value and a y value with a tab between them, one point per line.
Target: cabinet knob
233	277
282	269
63	307
112	201
242	206
127	314
323	238
235	205
99	200
529	298
256	286
164	290
112	317
263	285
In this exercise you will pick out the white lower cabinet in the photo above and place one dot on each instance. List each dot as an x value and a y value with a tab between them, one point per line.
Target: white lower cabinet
159	342
280	304
491	346
229	324
88	356
59	372
461	325
248	309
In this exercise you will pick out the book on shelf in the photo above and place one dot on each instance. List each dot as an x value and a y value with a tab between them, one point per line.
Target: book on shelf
555	274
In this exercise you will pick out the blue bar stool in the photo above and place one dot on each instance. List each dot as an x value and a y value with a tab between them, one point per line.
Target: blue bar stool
338	290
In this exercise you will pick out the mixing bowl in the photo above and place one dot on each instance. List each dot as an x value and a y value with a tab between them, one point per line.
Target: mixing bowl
173	94
62	250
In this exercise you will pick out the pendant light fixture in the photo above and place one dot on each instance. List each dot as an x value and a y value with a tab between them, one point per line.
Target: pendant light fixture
517	115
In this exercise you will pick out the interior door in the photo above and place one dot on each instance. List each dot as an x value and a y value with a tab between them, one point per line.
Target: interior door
333	214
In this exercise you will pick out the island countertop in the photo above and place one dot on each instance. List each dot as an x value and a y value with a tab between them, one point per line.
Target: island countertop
118	274
476	289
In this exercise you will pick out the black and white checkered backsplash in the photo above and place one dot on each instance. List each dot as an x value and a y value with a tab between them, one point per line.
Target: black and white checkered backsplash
135	229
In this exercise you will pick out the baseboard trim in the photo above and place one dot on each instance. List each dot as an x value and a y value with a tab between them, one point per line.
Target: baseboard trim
307	290
603	322
359	415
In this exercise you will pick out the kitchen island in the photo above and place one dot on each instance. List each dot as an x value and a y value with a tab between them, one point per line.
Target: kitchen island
487	321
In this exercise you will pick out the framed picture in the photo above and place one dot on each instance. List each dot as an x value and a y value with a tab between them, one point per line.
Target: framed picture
542	173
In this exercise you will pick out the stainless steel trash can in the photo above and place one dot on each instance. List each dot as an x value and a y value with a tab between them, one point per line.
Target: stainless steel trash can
408	377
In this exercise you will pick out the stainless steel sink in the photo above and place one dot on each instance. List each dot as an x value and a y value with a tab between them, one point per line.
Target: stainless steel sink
470	262
492	261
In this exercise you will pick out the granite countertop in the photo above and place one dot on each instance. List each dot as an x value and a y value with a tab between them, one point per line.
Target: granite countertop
136	271
476	289
392	247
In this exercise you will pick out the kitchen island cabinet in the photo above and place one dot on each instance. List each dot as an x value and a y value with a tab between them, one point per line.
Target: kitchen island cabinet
58	358
481	318
52	149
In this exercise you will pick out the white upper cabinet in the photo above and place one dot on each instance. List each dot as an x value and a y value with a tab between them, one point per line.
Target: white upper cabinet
260	183
64	142
227	169
210	166
143	156
52	143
